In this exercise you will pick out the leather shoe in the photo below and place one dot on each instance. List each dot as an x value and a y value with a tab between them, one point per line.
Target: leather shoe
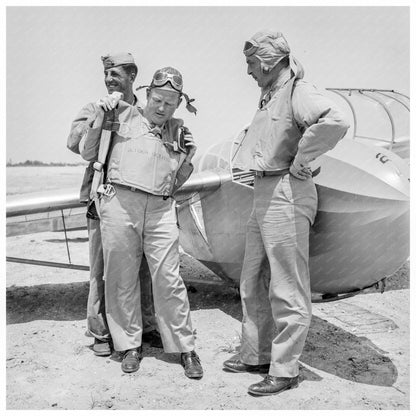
235	365
152	338
101	348
273	385
192	364
131	360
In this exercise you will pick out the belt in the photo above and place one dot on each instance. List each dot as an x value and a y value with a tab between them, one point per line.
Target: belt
133	189
261	173
130	188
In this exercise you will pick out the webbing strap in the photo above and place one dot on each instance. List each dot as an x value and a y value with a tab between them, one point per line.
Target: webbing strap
105	140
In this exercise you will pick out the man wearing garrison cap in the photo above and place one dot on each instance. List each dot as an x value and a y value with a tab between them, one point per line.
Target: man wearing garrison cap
120	71
293	125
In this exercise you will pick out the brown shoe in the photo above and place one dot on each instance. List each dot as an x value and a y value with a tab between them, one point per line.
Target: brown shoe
131	360
273	385
192	364
101	348
153	339
235	365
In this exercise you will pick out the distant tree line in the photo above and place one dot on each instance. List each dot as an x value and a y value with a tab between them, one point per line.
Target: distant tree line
39	163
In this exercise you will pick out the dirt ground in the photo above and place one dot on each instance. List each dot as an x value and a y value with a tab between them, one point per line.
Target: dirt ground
356	355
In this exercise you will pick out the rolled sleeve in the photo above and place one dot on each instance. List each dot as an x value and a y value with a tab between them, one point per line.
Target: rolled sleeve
80	127
90	142
322	123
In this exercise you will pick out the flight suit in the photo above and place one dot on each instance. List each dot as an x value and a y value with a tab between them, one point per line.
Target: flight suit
294	122
145	167
96	318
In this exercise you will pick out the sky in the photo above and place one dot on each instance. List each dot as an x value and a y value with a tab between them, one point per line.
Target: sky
53	64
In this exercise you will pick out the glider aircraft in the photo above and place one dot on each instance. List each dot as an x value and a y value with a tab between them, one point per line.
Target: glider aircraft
361	233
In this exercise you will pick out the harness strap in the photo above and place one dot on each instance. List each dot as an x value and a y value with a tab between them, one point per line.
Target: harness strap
105	140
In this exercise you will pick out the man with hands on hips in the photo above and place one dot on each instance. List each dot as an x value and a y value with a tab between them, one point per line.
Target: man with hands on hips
293	125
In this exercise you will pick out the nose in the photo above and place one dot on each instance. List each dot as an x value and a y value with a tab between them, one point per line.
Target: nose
108	78
249	72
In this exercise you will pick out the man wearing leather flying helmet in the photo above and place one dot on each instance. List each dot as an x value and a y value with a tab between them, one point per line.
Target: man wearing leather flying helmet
120	71
293	125
146	165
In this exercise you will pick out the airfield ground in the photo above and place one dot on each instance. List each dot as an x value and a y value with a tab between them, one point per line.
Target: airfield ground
356	355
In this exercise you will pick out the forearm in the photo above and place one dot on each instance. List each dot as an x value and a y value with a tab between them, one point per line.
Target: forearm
80	127
321	137
90	142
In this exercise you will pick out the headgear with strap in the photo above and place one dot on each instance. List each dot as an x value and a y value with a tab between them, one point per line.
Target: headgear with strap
169	78
270	47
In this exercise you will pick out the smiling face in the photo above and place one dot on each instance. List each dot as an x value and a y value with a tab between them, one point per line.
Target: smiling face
117	79
161	105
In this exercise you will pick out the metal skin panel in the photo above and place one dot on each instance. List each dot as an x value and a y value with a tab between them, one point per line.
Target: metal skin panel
361	232
360	169
26	204
225	213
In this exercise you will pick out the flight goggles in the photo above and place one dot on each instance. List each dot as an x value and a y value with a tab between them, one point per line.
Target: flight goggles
162	78
250	47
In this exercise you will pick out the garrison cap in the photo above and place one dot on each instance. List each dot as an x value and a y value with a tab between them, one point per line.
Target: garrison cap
116	59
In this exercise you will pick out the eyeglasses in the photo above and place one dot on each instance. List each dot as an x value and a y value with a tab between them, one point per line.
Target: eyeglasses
161	78
250	47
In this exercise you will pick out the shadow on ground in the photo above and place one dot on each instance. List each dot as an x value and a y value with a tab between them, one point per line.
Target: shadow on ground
328	347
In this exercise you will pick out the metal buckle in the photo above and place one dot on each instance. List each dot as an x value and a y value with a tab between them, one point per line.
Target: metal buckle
108	190
98	166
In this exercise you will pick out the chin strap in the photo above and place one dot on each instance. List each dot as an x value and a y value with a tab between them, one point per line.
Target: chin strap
189	106
296	67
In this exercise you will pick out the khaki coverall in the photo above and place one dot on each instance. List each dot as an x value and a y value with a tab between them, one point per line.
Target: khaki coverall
136	222
277	311
96	318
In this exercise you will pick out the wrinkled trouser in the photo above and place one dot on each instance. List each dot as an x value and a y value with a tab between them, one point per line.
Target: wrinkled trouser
277	310
133	223
96	318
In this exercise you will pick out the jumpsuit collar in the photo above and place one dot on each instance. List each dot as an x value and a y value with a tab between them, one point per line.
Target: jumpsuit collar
266	95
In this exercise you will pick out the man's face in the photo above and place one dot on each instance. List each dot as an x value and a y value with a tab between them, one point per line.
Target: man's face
254	69
161	105
117	79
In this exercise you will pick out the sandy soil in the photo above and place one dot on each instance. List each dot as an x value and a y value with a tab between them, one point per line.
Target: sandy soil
356	355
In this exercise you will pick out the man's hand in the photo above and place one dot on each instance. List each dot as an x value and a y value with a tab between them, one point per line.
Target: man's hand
300	170
190	145
109	102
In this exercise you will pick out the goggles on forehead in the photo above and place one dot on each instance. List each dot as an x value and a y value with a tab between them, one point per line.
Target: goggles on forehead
162	78
160	82
250	47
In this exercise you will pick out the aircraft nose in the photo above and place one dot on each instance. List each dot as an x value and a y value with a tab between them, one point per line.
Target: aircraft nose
365	170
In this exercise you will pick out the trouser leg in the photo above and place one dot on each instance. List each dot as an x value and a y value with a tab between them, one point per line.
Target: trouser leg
161	248
257	324
146	293
291	207
96	317
121	228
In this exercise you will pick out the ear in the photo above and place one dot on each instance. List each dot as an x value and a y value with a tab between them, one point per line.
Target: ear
132	77
147	93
